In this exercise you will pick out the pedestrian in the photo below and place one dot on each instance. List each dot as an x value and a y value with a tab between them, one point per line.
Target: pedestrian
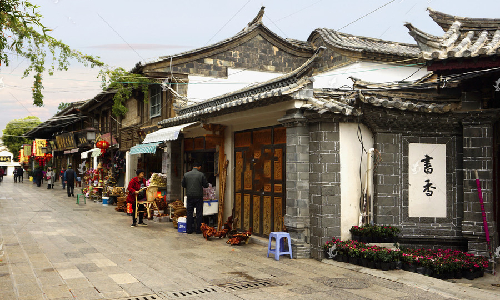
1	174
50	178
194	181
62	178
37	176
15	174
134	188
20	174
69	179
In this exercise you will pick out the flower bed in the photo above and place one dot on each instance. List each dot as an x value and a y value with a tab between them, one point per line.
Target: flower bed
374	233
440	263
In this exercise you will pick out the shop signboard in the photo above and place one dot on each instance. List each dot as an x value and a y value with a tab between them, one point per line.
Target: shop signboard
65	141
81	139
5	159
27	150
53	145
39	144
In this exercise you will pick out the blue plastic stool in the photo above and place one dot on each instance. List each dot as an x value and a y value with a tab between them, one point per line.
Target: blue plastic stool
279	236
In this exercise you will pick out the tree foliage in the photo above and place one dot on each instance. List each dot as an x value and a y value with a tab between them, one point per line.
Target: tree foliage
122	83
62	106
14	131
23	34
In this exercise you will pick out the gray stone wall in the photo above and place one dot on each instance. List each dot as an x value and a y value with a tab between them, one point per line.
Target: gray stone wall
478	155
324	183
297	219
257	54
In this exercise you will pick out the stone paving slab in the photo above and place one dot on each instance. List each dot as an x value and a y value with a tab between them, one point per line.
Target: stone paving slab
52	248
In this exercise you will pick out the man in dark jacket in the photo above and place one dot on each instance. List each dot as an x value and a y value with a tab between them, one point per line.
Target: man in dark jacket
194	181
37	176
69	178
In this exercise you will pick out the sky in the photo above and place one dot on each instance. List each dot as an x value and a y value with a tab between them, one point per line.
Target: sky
123	33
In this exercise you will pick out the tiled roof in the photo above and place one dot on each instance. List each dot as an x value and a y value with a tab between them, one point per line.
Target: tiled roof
287	84
463	37
254	25
365	44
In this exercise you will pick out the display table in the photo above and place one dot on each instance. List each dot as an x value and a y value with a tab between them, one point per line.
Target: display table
210	207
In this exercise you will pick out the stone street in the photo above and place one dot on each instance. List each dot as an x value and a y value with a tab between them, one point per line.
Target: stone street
52	248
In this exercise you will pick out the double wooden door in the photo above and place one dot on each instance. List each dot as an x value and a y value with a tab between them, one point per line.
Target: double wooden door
259	200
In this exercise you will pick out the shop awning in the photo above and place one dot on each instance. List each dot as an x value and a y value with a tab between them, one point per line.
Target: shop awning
95	152
85	153
165	134
144	148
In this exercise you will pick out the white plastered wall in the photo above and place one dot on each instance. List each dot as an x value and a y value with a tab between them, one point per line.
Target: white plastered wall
368	71
351	157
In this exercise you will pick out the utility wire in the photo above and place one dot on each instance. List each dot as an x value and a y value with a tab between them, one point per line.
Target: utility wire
265	15
304	8
227	22
121	37
366	15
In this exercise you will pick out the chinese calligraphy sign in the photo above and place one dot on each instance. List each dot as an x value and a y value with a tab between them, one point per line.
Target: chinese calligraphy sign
427	180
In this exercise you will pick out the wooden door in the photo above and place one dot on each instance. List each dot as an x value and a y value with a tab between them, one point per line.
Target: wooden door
260	180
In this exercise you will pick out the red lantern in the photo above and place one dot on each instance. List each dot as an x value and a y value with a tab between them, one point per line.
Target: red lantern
103	145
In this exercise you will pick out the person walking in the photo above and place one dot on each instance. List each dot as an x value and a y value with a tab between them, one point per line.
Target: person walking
194	181
37	176
62	178
69	179
20	174
50	178
1	174
135	185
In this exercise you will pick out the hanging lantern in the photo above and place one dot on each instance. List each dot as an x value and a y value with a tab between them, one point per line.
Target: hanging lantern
48	156
103	145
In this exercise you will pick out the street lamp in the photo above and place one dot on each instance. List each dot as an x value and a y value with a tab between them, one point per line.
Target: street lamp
91	133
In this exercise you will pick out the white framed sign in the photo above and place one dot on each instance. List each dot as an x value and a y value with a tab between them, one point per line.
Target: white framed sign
427	180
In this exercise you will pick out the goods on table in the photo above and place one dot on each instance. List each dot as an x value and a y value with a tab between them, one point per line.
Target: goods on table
158	179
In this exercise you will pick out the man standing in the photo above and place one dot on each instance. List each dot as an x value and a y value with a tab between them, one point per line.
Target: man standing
194	181
15	174
69	179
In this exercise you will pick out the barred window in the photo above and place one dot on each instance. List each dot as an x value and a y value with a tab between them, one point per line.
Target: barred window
155	101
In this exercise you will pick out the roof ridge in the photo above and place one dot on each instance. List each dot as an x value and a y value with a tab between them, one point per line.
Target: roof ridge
445	21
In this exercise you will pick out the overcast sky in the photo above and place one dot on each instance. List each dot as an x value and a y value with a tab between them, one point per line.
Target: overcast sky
125	32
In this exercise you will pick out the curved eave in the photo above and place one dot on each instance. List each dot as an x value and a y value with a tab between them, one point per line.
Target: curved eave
334	39
445	21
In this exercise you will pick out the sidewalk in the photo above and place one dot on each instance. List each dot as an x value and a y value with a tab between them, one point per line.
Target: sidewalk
52	248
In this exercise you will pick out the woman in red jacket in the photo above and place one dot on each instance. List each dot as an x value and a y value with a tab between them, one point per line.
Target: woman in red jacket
133	188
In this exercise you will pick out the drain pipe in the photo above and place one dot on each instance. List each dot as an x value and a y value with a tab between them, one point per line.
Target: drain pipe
369	183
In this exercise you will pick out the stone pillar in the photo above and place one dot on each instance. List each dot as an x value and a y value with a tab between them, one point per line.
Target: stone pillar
324	184
171	165
478	155
297	182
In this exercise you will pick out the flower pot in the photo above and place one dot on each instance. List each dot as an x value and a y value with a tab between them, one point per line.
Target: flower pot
469	274
457	274
421	270
405	266
355	238
428	272
412	268
377	265
364	262
385	266
371	264
481	273
352	260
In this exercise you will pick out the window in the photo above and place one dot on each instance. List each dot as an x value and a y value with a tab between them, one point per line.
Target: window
155	101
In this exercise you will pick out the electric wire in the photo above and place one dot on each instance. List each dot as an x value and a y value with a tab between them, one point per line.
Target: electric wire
227	22
358	19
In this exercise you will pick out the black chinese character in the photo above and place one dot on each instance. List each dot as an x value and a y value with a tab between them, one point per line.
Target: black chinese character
427	164
427	188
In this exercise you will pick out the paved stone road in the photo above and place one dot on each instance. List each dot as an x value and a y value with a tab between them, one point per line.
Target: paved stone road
52	248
